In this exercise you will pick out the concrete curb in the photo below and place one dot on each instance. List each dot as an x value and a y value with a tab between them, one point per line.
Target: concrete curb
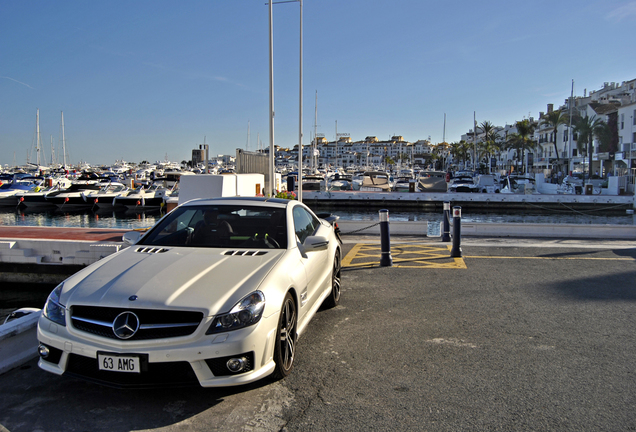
18	341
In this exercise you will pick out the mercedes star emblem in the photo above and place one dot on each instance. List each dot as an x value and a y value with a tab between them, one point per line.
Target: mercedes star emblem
125	325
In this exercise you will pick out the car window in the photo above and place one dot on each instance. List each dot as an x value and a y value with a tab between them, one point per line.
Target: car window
304	223
221	226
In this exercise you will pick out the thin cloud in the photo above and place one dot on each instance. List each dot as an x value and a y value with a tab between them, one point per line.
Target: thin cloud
627	11
19	82
192	74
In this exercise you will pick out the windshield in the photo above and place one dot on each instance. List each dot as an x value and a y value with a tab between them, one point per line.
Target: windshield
221	226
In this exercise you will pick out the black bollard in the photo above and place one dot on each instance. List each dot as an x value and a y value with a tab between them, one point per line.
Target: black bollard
456	251
385	240
446	233
290	183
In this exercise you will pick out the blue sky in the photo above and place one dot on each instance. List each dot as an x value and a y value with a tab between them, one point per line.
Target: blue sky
148	79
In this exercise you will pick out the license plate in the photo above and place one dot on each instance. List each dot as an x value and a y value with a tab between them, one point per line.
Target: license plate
117	363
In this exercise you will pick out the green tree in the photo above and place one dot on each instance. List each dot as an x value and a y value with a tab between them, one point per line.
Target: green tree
488	145
553	120
442	151
522	139
586	129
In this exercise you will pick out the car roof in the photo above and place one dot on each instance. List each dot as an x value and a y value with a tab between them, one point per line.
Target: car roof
252	201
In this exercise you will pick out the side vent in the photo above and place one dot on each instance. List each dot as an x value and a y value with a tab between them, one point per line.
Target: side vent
151	250
245	252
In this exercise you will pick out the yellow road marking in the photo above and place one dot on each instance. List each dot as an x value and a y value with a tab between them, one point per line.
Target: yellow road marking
552	258
404	256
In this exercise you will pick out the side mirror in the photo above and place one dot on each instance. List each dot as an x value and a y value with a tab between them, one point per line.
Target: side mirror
315	243
131	237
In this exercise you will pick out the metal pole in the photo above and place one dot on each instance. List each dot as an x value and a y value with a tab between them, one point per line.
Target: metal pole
300	111
571	161
272	156
456	251
385	240
446	234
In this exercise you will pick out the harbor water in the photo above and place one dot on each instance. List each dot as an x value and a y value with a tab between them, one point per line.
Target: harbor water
147	218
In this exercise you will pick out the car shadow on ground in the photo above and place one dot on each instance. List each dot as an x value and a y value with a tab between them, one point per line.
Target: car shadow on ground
33	399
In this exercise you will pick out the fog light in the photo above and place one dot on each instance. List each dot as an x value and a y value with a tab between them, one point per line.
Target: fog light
236	364
43	350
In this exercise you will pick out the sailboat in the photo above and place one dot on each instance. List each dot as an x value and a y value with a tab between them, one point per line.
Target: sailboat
38	145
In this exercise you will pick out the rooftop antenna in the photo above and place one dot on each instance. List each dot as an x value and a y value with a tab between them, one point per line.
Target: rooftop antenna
247	146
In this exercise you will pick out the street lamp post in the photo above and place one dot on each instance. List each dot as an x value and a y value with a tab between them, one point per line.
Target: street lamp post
272	156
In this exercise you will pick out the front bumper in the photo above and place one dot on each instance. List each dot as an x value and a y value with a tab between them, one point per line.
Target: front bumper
195	359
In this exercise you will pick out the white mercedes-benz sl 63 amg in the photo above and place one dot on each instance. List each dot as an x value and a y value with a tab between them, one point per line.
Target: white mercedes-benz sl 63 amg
216	294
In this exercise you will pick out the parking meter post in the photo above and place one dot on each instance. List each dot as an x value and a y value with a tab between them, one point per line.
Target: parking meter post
446	230
385	241
456	251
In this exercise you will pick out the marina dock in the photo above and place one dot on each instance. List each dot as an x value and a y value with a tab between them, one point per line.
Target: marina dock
470	201
51	254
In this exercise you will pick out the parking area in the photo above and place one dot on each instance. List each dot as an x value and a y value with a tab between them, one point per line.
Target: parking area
404	255
527	336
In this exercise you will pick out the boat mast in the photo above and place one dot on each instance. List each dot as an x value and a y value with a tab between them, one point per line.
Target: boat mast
37	142
313	159
63	141
52	152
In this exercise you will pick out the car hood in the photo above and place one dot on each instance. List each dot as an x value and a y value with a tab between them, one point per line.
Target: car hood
208	280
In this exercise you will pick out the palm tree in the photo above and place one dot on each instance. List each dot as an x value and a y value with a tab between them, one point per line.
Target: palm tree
488	145
441	150
455	151
553	120
587	128
523	138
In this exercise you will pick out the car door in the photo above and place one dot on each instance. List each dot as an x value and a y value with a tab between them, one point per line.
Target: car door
315	263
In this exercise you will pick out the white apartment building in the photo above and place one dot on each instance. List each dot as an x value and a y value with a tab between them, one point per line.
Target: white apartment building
365	153
612	103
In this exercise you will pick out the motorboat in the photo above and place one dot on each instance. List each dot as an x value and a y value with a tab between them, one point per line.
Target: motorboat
356	180
376	181
10	193
518	185
432	181
488	183
36	199
144	198
313	183
104	198
341	182
74	197
463	183
403	184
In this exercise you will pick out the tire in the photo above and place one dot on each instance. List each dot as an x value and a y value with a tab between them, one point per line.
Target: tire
286	337
334	295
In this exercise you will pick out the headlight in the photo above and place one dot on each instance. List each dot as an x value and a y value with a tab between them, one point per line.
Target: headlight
53	310
245	313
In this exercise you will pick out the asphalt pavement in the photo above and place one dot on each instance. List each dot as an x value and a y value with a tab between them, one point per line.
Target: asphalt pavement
517	334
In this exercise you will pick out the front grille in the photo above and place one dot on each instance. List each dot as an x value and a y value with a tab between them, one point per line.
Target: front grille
167	374
154	324
218	365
